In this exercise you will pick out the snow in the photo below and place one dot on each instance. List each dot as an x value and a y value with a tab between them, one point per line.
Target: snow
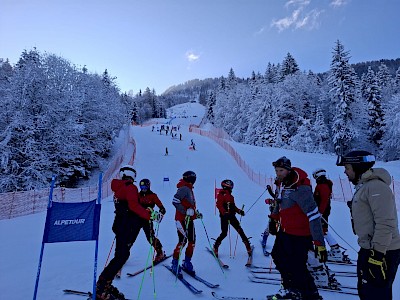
70	265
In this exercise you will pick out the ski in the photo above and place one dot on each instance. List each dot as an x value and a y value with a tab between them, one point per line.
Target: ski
250	258
342	263
148	267
198	278
216	296
80	293
221	263
185	282
341	290
274	271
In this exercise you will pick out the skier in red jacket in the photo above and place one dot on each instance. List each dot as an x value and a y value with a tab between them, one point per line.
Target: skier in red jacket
129	215
299	225
147	198
227	211
185	214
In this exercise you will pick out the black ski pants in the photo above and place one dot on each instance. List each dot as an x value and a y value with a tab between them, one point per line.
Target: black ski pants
232	220
290	257
367	289
126	228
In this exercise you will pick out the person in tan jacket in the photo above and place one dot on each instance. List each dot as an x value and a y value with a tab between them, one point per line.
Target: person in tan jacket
375	222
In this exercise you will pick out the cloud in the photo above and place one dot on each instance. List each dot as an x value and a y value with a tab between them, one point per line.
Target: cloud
338	3
191	56
301	17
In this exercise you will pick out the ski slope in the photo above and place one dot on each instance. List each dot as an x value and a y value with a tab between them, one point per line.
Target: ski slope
70	265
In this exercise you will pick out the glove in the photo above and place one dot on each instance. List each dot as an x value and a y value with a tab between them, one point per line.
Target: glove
269	201
155	216
190	212
162	210
377	267
241	212
272	226
199	215
321	254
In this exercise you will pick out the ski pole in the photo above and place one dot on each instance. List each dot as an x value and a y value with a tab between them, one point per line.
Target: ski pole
237	234
109	253
209	243
339	235
230	242
257	200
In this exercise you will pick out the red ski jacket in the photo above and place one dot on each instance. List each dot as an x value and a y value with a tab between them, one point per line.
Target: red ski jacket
226	203
126	193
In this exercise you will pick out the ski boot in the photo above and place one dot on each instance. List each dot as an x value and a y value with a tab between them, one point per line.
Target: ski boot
188	266
106	291
159	256
264	236
176	269
336	255
215	248
321	278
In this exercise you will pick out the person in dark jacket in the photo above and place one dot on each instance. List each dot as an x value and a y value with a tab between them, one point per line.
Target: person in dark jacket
129	216
227	212
186	212
299	225
149	199
375	222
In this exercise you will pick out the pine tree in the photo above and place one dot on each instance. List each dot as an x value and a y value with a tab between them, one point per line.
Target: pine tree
289	66
372	93
342	82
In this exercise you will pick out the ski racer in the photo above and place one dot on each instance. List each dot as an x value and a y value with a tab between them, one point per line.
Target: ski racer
299	225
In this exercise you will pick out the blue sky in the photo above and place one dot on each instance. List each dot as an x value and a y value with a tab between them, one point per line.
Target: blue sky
160	43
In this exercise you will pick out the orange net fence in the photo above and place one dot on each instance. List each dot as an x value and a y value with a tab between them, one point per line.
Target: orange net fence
342	189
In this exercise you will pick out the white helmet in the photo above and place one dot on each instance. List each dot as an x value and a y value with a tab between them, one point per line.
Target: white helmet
127	171
319	172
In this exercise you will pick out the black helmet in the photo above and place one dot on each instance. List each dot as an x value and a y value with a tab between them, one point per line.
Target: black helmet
282	162
189	176
227	184
360	160
144	184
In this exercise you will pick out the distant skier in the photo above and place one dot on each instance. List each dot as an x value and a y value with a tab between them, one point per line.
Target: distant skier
166	151
299	225
129	216
148	199
186	213
322	196
227	211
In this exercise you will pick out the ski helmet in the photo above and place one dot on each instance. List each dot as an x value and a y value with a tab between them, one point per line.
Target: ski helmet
227	184
360	160
127	171
144	184
189	176
319	172
282	162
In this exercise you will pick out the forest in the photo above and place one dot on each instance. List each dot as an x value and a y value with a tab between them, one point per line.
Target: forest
57	118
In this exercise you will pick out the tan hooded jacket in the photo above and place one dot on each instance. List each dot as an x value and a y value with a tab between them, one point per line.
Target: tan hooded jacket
374	212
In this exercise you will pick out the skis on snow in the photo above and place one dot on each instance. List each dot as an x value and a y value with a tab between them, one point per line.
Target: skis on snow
80	293
198	278
148	267
221	263
277	281
185	282
219	297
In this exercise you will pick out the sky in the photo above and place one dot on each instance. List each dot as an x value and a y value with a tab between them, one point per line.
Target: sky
70	265
158	43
